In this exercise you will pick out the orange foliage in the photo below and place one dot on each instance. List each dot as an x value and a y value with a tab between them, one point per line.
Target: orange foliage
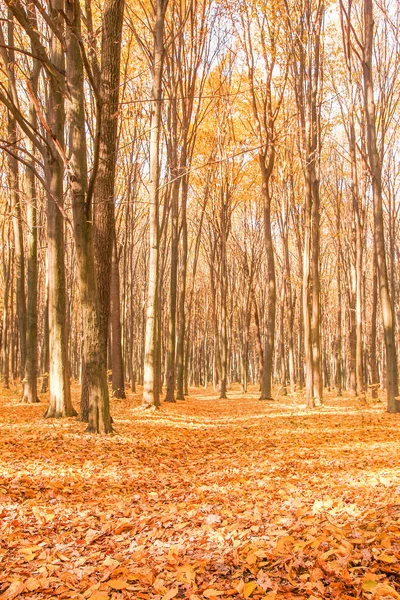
204	499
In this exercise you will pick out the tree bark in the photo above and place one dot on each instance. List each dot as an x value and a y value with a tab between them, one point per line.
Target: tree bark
393	404
266	384
15	196
60	404
118	377
180	357
30	393
95	374
151	392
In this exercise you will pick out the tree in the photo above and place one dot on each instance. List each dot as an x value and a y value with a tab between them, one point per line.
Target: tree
151	392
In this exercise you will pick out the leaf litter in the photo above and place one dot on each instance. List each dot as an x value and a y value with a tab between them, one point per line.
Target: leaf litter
204	499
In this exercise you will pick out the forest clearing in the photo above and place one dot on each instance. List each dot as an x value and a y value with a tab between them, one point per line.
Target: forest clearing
199	299
203	499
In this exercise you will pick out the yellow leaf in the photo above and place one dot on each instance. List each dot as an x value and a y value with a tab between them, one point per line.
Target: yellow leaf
99	596
386	558
50	517
210	592
29	557
369	585
249	589
117	584
29	549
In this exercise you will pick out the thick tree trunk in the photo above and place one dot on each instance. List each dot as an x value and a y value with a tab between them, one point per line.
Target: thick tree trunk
95	375
59	377
103	199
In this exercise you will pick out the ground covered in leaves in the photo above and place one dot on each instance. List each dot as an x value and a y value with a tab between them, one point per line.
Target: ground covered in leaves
203	499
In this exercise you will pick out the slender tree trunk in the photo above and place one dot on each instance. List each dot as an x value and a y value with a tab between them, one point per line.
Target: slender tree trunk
260	351
339	302
315	293
305	299
224	316
290	311
373	359
45	353
30	393
170	392
393	405
266	385
283	376
118	377
352	332
15	196
180	358
245	346
5	357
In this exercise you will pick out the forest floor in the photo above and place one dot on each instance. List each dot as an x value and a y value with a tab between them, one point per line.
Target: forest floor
204	499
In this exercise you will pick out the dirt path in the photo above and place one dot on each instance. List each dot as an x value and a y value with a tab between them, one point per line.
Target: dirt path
203	499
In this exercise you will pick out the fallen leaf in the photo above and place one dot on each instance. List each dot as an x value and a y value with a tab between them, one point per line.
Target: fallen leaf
171	594
117	584
15	589
210	592
249	588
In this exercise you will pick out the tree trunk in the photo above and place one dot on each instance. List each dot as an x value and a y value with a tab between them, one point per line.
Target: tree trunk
5	358
393	405
95	374
224	316
15	196
266	385
118	377
30	394
305	299
180	357
60	392
45	354
374	310
170	392
151	392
